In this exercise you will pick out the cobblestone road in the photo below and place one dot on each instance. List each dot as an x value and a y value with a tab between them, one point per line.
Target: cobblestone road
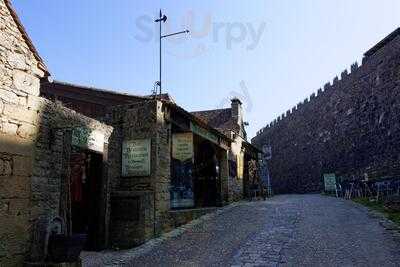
293	230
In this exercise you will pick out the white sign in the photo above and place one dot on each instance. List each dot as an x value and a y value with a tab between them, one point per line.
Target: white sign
136	156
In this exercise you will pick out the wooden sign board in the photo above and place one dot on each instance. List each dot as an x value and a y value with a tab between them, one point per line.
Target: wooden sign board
136	157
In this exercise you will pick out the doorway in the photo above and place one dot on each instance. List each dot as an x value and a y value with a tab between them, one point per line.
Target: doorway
85	192
207	175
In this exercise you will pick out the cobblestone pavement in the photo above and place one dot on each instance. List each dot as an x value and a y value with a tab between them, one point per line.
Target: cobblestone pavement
291	230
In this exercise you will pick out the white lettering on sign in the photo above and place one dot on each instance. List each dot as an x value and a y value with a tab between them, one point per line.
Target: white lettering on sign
182	146
136	156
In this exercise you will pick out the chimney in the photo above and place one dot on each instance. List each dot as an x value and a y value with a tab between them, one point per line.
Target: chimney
237	112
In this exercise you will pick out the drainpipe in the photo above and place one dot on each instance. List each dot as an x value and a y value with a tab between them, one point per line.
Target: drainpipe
154	213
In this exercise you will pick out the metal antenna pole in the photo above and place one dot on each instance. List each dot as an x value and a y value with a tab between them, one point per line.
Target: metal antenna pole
163	18
160	54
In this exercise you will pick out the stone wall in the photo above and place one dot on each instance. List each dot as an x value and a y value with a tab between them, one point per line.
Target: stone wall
235	182
31	176
141	121
32	134
350	127
19	86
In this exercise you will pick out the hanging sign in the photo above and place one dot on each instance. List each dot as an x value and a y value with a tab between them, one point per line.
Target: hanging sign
88	139
203	133
136	157
240	165
182	146
181	190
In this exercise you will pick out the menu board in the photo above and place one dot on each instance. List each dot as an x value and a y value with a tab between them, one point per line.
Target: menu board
181	191
182	146
136	157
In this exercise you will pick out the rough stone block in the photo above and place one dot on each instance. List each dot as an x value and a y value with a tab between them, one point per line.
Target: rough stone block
9	128
26	83
27	131
14	187
21	113
12	260
8	96
5	167
16	227
15	145
36	103
19	207
22	166
5	40
17	61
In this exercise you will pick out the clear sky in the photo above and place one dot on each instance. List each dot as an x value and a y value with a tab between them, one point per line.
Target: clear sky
271	53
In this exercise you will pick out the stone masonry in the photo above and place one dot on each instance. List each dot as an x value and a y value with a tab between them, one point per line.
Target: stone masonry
149	195
32	133
20	74
140	121
350	127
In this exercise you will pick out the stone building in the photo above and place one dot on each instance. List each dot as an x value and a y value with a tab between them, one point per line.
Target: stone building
115	168
350	127
173	169
230	121
37	138
208	137
184	161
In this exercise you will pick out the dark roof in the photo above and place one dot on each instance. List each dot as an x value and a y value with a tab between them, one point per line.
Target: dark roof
382	43
165	96
220	119
25	35
251	147
191	116
92	90
99	92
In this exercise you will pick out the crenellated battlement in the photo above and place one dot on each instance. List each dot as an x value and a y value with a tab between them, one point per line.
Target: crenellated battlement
313	98
348	126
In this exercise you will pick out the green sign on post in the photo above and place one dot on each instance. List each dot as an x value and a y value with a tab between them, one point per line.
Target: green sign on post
330	182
